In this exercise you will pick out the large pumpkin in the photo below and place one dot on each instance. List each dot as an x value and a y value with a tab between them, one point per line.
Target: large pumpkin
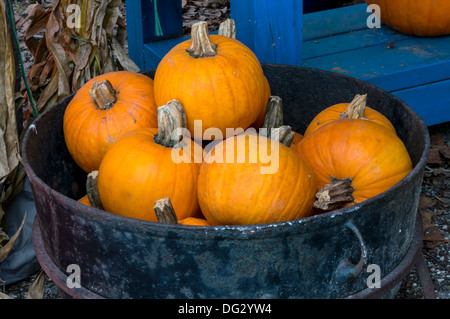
416	17
353	160
357	109
244	180
146	165
217	79
102	110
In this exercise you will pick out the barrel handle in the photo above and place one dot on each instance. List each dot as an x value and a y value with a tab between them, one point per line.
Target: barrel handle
346	270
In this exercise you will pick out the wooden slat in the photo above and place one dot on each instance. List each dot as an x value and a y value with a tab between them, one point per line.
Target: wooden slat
354	40
431	101
416	76
326	23
135	33
409	60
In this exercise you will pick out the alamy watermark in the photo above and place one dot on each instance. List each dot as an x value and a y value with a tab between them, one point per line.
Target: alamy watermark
74	19
374	20
74	278
374	279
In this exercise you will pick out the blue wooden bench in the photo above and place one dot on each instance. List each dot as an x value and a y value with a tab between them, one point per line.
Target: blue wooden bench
417	70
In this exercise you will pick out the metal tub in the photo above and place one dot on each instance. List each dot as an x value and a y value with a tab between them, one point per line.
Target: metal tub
323	256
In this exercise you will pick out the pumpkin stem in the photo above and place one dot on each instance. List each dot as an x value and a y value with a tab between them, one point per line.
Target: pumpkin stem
103	94
274	114
273	122
356	108
228	29
283	134
171	123
164	211
92	190
334	195
201	45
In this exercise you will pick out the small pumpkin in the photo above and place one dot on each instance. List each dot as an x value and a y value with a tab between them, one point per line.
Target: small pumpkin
425	18
228	29
217	79
85	200
353	160
165	213
357	109
234	188
194	221
141	168
102	110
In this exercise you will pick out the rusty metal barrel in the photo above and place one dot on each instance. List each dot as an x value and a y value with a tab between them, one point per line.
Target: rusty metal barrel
322	256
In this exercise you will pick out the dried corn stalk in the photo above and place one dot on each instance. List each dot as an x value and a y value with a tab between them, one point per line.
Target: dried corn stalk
9	140
72	42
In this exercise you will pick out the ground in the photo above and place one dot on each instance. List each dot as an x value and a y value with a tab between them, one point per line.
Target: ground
435	195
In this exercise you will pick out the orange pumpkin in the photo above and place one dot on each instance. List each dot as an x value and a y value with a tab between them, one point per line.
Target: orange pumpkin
165	213
217	79
141	168
102	110
194	221
297	139
416	17
357	109
353	160
85	200
250	179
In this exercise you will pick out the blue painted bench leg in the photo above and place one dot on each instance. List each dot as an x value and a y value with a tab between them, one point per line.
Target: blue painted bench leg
271	29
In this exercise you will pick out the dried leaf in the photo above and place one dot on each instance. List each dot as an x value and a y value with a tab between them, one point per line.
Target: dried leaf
122	57
110	20
5	296
9	140
426	202
36	290
5	250
53	31
434	157
427	220
434	239
50	91
71	54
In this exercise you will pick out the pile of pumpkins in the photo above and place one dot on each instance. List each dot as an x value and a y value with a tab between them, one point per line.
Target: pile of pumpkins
123	129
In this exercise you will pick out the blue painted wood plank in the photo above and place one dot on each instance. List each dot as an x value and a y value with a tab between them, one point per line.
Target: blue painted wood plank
379	63
415	76
242	12
135	33
335	21
271	29
354	40
431	101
